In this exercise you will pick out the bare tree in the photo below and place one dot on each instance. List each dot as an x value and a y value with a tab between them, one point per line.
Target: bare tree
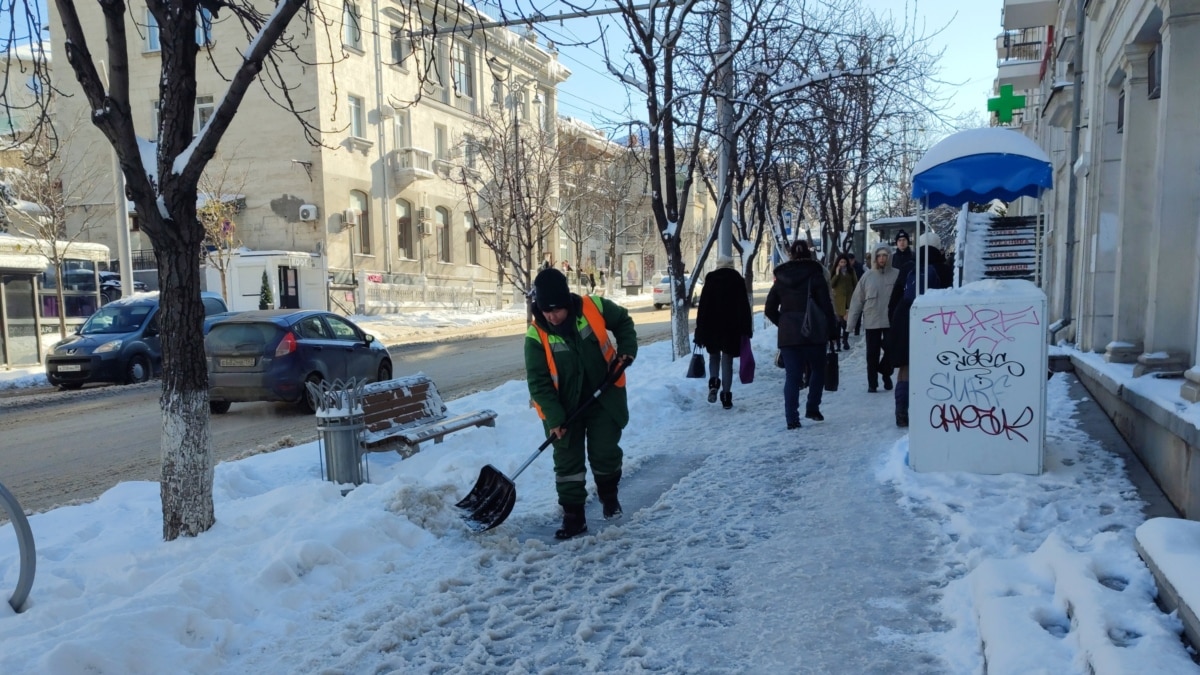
161	178
35	200
222	187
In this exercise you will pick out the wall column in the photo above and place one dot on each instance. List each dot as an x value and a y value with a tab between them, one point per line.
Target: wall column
1135	206
1171	305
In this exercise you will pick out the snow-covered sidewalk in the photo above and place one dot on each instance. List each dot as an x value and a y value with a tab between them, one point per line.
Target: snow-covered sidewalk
744	548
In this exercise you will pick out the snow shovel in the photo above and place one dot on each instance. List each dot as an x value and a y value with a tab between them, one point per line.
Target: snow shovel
492	499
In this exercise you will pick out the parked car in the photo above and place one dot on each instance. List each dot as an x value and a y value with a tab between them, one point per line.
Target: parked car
118	343
269	355
661	293
110	286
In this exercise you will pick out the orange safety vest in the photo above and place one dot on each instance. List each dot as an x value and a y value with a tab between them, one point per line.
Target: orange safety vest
595	321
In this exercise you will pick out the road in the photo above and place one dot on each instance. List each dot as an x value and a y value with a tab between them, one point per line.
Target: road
65	447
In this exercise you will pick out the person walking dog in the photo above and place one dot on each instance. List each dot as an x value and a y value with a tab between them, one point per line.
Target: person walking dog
723	318
870	305
802	338
568	355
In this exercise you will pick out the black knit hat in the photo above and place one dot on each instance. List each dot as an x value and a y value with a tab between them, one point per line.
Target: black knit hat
550	290
902	235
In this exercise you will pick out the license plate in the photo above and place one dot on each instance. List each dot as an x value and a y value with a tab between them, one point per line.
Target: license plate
70	368
238	362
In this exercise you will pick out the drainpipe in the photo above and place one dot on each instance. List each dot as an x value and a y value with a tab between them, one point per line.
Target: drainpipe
385	213
1072	180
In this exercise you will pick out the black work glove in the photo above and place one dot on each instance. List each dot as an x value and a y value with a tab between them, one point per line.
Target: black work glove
619	364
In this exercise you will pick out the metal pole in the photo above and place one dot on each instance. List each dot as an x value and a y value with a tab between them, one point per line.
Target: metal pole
121	212
725	123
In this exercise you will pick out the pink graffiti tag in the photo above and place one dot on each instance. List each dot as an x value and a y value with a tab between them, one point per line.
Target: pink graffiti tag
987	325
990	421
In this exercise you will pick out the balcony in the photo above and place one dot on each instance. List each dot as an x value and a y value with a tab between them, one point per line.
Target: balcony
1020	64
410	164
1029	13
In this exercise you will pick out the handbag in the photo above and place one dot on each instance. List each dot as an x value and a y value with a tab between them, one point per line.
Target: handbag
831	370
696	366
746	362
815	328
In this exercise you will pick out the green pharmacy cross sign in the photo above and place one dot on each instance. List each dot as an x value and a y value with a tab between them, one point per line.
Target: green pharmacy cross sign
1004	104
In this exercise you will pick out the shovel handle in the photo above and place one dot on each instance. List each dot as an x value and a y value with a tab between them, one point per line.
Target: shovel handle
613	376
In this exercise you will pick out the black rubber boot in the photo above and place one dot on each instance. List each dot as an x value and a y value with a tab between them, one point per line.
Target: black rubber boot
606	489
727	399
901	396
574	522
713	385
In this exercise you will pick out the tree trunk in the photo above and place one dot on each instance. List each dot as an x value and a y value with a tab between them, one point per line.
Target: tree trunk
62	305
680	328
187	466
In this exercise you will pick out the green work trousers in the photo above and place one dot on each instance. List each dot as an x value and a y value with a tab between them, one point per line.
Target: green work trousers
597	434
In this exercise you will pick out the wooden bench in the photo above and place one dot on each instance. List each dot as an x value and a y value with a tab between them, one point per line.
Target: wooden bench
401	414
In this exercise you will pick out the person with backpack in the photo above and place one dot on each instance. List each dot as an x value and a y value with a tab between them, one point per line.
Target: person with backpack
568	355
723	318
936	274
801	305
869	306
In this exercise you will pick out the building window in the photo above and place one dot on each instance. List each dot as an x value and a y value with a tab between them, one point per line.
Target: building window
497	92
470	151
1154	72
204	112
442	221
1121	111
404	230
357	122
441	139
472	240
463	70
152	42
204	27
351	26
359	203
397	41
400	129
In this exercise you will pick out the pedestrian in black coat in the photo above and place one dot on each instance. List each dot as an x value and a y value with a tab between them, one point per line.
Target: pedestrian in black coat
903	256
937	274
723	318
796	281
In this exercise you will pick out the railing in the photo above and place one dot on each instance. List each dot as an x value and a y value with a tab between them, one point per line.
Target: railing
25	544
1024	52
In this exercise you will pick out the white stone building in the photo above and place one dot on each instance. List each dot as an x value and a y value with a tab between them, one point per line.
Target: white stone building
1122	269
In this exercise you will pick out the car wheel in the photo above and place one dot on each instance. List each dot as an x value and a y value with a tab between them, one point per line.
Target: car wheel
69	386
385	371
657	306
138	369
218	407
308	403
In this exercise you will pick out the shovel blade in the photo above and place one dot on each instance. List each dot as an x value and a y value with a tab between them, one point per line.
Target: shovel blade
490	501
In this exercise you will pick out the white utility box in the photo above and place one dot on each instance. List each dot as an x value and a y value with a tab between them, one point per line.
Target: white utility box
977	378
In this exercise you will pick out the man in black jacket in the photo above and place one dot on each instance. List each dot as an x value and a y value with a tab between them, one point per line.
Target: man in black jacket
796	281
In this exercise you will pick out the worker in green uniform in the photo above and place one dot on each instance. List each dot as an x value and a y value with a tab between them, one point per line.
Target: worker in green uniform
568	355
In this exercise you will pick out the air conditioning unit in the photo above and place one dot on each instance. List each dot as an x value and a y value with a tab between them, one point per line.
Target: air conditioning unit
424	229
423	213
351	217
308	212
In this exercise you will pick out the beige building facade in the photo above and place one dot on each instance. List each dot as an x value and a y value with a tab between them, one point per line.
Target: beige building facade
374	206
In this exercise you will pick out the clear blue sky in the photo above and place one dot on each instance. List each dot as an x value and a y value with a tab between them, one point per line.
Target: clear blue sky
967	30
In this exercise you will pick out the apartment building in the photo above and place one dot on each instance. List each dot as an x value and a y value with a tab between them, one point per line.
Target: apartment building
1122	274
371	218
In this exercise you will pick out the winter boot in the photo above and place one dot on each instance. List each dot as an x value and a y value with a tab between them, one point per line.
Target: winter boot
574	522
714	385
901	394
887	381
606	489
727	400
845	340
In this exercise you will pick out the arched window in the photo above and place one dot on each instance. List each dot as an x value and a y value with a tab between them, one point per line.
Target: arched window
472	240
358	202
404	229
442	221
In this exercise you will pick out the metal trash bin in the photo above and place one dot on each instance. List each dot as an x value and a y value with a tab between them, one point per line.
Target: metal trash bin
339	426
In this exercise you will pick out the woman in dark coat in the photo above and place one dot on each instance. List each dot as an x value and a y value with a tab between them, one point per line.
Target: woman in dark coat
796	281
722	319
937	274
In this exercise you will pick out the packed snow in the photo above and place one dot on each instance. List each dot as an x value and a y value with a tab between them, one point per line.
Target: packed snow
744	548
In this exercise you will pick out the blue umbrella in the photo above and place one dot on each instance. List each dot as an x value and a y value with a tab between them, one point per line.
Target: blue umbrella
979	165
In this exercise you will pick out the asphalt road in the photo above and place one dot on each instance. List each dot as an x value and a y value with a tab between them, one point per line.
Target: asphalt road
65	447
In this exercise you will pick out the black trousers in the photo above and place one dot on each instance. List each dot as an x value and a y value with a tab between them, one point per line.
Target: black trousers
876	361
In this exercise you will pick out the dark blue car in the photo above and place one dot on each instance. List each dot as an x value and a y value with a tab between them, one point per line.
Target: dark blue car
268	355
119	343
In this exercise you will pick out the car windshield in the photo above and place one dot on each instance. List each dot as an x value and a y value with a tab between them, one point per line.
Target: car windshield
116	319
